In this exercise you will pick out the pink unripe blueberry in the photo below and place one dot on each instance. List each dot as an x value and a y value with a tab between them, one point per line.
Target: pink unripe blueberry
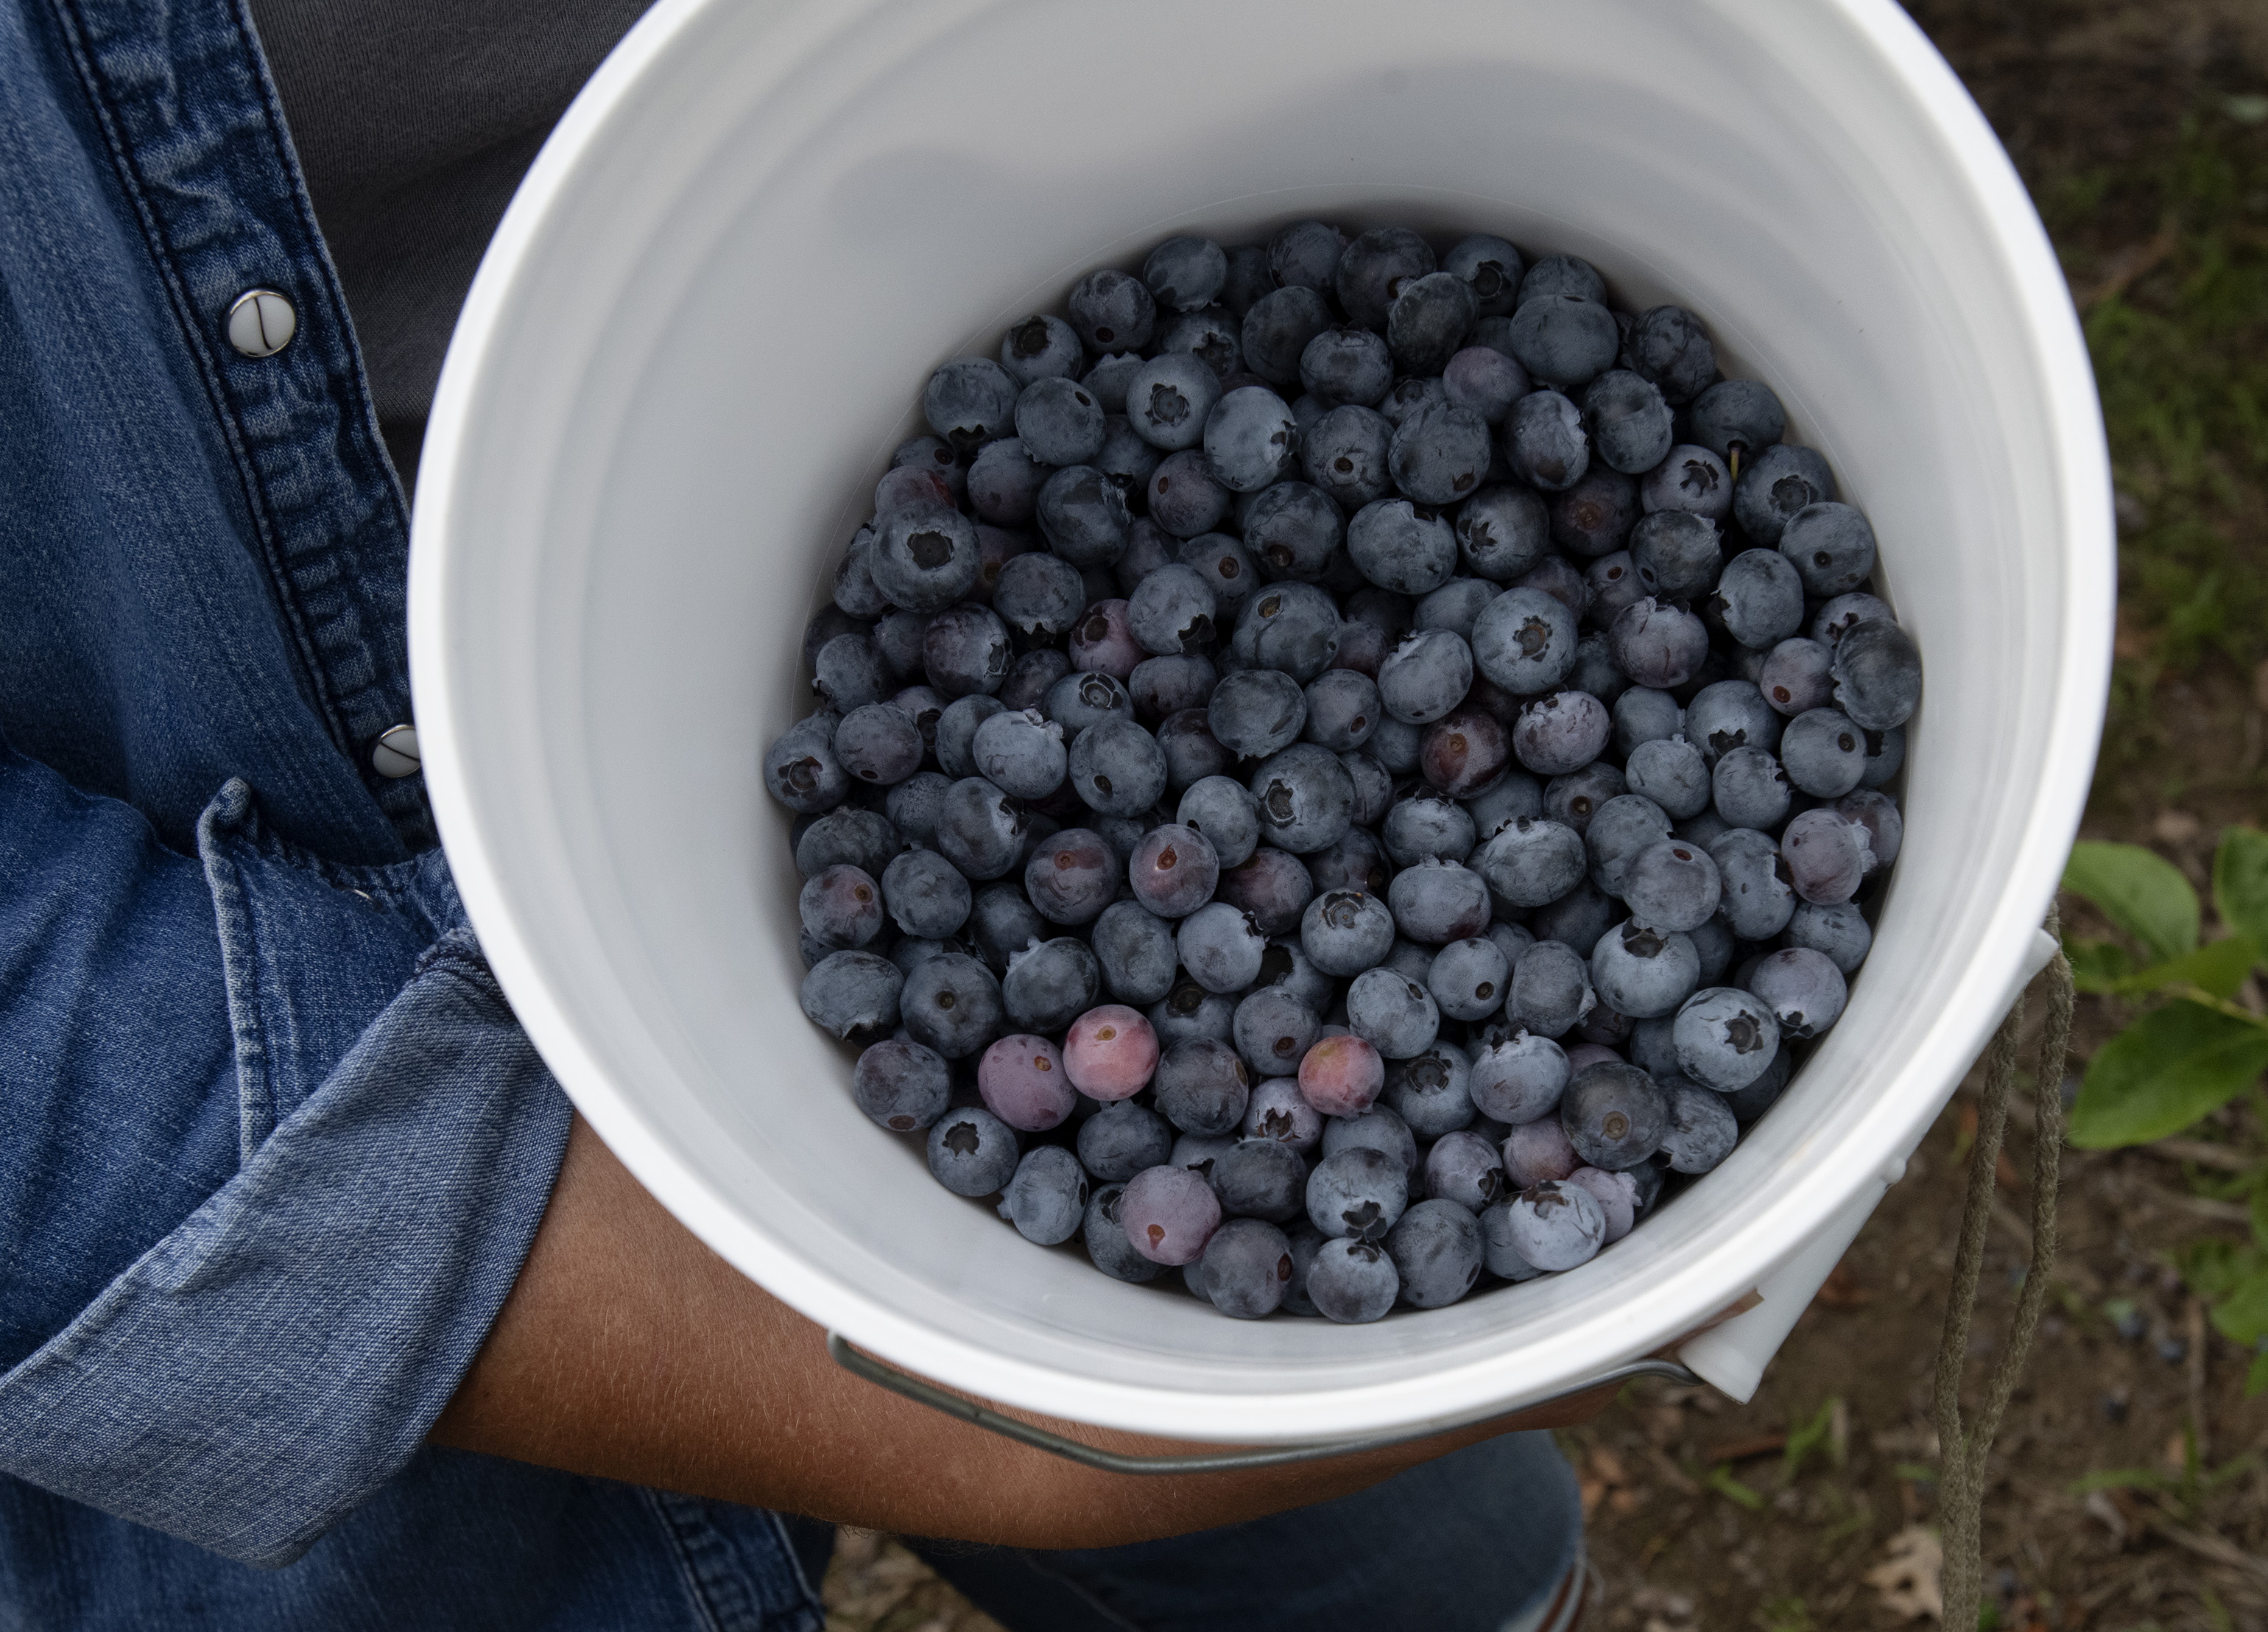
1341	1076
1110	1053
1023	1082
1169	1213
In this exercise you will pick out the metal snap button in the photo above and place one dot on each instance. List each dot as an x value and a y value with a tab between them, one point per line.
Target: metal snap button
261	324
395	752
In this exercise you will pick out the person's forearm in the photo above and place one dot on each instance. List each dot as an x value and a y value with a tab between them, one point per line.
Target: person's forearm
630	1350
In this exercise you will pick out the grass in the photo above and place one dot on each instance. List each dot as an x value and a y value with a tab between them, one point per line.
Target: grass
2177	324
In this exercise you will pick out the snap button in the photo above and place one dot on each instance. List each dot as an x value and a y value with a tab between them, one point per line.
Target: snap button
262	323
395	752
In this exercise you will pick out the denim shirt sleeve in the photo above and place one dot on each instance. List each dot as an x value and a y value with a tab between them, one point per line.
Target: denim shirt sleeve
277	1353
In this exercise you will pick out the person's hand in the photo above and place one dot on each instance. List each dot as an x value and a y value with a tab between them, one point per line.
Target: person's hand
629	1350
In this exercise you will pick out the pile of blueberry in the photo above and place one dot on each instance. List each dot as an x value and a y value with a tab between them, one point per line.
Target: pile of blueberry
1341	767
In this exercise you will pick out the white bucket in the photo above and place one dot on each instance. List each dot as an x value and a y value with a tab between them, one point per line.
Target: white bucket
703	327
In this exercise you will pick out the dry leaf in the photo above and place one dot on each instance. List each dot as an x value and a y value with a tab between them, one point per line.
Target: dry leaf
1841	1289
1909	1575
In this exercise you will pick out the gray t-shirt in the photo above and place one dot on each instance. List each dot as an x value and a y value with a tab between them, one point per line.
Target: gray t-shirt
415	120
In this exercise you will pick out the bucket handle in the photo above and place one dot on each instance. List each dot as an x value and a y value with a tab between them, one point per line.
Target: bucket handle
860	1363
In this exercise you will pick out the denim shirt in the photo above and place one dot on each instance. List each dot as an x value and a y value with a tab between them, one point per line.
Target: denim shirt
272	1148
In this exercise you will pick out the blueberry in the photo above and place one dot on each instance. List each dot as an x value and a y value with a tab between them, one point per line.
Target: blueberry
1556	1224
1795	677
1672	885
1039	594
1551	990
1758	897
1202	1087
927	894
1185	273
1168	398
1171	611
1499	1250
1395	745
1278	331
1189	1010
1759	598
1735	419
1677	555
1004	482
1290	626
1248	1268
1533	861
1543	441
1112	311
1560	579
1658	643
1250	440
1725	1038
1344	456
1689	481
1524	641
1628	421
1730	714
1886	751
1831	546
1353	1282
1184	499
1618	829
965	651
980	828
1565	340
1464	753
1878	814
1001	922
972	1152
1402	547
1305	256
1379	1129
1021	754
1342	709
1106	379
1134	949
1260	1177
1104	1233
1305	798
1424	677
1498	808
1084	516
1293	530
1594	516
1409	395
1428	320
1490	268
1071	876
1392	1013
1343	366
850	672
1671	773
1826	854
902	1086
1877	671
801	771
1613	1115
970	402
1272	886
1519	1079
1436	902
1561	274
1642	971
1117	768
1161	687
1561	732
1701	1131
1022	1081
1484	382
1840	931
1436	1250
1464	1167
1537	1151
1377	269
1345	932
1572	800
865	838
1804	989
1059	422
1780	481
1169	1213
1125	458
1428	1091
1256	712
1223	811
1036	348
1079	702
1438	455
1823	754
1748	1104
853	995
1191	751
1750	789
1426	824
1047	1198
1221	946
1122	1140
1051	984
952	1004
1668	346
898	637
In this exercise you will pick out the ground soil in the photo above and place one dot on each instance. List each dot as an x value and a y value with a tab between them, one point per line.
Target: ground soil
1699	1518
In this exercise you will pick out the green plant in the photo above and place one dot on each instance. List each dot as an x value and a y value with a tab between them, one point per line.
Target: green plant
2197	1050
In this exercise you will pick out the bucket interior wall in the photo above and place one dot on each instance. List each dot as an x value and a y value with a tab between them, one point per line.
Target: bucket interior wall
701	337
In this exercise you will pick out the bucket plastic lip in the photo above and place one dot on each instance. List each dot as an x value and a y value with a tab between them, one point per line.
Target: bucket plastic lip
2076	442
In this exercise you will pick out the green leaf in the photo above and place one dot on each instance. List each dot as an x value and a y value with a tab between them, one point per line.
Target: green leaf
2138	891
2259	1210
2118	1479
1720	1479
2255	1375
2163	1072
2243	1315
2098	965
2212	1268
2239	882
2218	967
